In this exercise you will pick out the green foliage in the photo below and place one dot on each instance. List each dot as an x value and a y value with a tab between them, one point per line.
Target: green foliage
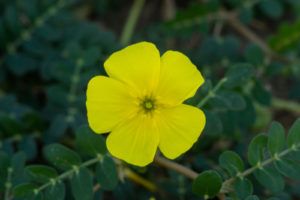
293	139
40	173
61	157
25	191
56	191
276	142
256	150
254	55
268	169
289	168
287	37
106	173
50	49
88	143
207	184
270	179
82	184
271	8
268	156
243	188
238	74
232	162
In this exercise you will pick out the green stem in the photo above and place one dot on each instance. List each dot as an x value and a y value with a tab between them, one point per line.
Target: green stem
8	184
131	21
226	184
68	173
211	93
72	92
282	104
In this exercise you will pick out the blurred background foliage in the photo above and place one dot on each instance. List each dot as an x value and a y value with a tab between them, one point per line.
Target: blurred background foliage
247	50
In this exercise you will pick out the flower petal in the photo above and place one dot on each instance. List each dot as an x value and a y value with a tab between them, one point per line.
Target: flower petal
108	103
134	141
137	65
179	78
179	129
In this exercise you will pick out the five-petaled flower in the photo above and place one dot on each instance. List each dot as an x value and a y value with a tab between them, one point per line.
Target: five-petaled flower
141	103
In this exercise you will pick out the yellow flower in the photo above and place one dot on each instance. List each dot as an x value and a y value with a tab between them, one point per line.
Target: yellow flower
141	103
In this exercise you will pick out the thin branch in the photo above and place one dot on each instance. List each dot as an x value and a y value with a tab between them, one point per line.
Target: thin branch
218	28
163	162
247	33
281	104
129	173
67	174
96	187
252	36
131	21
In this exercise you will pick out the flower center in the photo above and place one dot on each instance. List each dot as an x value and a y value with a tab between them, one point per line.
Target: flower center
148	104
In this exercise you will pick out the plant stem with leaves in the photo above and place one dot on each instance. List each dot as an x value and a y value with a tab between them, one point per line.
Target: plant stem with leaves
211	93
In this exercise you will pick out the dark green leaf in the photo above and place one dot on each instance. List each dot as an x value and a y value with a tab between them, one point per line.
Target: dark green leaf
57	129
20	64
270	178
56	192
37	47
232	162
12	19
254	54
238	74
106	173
256	149
227	100
261	94
271	8
40	173
29	7
90	143
9	125
82	185
4	165
3	35
17	163
57	95
61	157
28	146
213	125
243	188
91	56
288	168
48	33
207	184
25	191
276	141
293	139
287	37
294	155
246	15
